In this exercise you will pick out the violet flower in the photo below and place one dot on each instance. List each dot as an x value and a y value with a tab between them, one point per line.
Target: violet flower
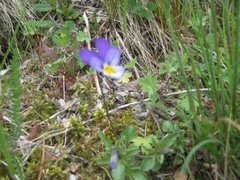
114	158
106	60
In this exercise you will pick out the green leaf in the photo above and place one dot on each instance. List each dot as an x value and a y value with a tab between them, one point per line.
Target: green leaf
68	27
62	36
126	77
119	172
61	39
53	67
167	126
82	36
5	151
128	134
184	103
149	84
138	175
145	13
103	161
107	142
131	152
31	27
131	64
42	7
148	163
159	161
167	142
145	142
71	13
41	23
133	6
170	65
151	6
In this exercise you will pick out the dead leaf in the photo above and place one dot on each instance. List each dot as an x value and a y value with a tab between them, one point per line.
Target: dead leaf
178	175
34	132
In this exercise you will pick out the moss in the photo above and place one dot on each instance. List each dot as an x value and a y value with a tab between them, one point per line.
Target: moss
36	156
98	115
124	119
42	107
78	130
4	178
86	91
52	168
32	170
83	110
151	126
81	150
56	172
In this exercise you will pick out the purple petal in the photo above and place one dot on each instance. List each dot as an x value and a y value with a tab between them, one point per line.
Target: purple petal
86	55
114	164
91	58
96	63
102	46
114	159
113	56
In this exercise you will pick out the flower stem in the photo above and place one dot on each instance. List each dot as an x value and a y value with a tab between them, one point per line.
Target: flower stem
107	110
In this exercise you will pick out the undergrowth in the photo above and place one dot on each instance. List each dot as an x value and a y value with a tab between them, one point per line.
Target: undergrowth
174	114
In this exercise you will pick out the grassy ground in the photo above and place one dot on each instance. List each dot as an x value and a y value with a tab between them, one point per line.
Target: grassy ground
174	115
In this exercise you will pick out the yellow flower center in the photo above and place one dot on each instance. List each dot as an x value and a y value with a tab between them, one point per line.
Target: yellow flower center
109	70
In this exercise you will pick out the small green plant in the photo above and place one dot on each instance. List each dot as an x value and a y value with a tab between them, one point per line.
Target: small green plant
143	11
132	156
65	33
149	84
64	9
9	137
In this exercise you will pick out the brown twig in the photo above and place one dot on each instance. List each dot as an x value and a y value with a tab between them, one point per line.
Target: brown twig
128	54
97	84
42	161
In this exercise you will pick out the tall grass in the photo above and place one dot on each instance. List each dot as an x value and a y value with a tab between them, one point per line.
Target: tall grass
9	138
213	57
217	40
12	88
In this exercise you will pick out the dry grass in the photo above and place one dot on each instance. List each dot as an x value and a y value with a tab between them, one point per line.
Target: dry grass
10	11
148	41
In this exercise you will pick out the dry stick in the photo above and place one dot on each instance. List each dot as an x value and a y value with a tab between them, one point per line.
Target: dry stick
148	99
232	123
156	121
97	84
64	109
128	54
1	88
51	134
64	88
9	120
42	162
185	91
